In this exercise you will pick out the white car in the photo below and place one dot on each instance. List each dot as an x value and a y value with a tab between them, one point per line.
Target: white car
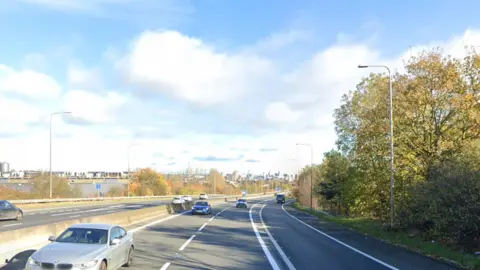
187	198
203	197
87	247
177	200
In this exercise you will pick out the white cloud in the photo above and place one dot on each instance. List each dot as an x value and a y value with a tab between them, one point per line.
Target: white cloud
80	76
280	112
189	69
28	83
93	108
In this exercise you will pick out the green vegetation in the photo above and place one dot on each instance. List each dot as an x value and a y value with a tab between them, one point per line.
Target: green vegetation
436	106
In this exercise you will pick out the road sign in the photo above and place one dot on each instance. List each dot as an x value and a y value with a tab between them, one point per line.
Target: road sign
278	188
98	186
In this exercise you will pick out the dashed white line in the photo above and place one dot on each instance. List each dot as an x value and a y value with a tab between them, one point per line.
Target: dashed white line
340	242
211	219
277	246
75	216
12	225
186	243
270	258
165	266
203	226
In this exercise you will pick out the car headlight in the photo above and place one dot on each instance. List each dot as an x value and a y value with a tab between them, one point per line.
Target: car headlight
32	261
86	264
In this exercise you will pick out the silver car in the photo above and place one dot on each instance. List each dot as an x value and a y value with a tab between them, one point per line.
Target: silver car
86	247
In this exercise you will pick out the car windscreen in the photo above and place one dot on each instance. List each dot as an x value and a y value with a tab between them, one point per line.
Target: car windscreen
280	197
83	236
241	201
201	204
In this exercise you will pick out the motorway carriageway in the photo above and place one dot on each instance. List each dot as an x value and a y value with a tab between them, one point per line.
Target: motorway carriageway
51	215
264	236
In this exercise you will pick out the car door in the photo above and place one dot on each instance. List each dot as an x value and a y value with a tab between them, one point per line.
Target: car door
117	258
11	210
3	210
126	243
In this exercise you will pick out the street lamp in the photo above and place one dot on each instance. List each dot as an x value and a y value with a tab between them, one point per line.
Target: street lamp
50	175
128	164
392	180
311	174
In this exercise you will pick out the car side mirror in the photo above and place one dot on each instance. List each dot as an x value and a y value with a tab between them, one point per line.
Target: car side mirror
6	260
51	238
115	242
209	205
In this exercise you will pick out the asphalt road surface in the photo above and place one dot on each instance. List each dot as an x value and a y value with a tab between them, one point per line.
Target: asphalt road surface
238	239
47	216
263	236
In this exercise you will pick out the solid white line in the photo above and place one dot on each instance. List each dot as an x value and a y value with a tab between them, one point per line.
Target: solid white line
165	266
277	246
86	211
203	226
341	243
270	258
11	225
186	243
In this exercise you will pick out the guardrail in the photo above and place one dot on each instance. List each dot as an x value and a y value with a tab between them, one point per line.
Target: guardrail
41	201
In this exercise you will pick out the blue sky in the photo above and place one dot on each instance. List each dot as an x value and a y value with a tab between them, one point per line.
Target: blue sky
204	77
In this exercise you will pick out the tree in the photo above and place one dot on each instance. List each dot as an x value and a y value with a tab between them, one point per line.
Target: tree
61	187
148	182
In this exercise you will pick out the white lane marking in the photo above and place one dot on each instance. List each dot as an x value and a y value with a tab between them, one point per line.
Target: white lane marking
165	266
111	211
270	258
157	221
75	216
341	243
211	219
12	225
277	246
80	212
203	226
186	243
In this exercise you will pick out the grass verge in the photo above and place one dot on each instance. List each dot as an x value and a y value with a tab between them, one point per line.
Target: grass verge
400	238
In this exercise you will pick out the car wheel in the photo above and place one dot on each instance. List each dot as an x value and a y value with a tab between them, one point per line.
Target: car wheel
103	266
129	262
19	216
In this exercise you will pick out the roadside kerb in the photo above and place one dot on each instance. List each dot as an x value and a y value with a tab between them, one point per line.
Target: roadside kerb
15	241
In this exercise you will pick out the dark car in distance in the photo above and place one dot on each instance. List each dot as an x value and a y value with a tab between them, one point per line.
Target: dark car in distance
10	211
280	198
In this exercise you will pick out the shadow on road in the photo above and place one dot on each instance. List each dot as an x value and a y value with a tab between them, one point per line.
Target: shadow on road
18	261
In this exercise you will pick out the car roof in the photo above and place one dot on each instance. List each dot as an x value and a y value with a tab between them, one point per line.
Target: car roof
100	226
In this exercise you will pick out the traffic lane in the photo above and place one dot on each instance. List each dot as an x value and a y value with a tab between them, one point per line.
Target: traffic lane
318	248
48	217
227	242
308	249
160	243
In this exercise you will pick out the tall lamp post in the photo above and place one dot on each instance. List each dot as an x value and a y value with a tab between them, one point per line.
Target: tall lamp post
128	161
392	168
311	174
50	174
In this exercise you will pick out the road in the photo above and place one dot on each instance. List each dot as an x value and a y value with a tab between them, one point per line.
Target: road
47	216
228	240
264	236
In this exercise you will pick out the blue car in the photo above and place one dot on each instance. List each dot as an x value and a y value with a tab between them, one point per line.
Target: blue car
202	207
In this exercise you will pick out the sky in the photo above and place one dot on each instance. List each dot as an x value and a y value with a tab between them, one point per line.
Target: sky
225	84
